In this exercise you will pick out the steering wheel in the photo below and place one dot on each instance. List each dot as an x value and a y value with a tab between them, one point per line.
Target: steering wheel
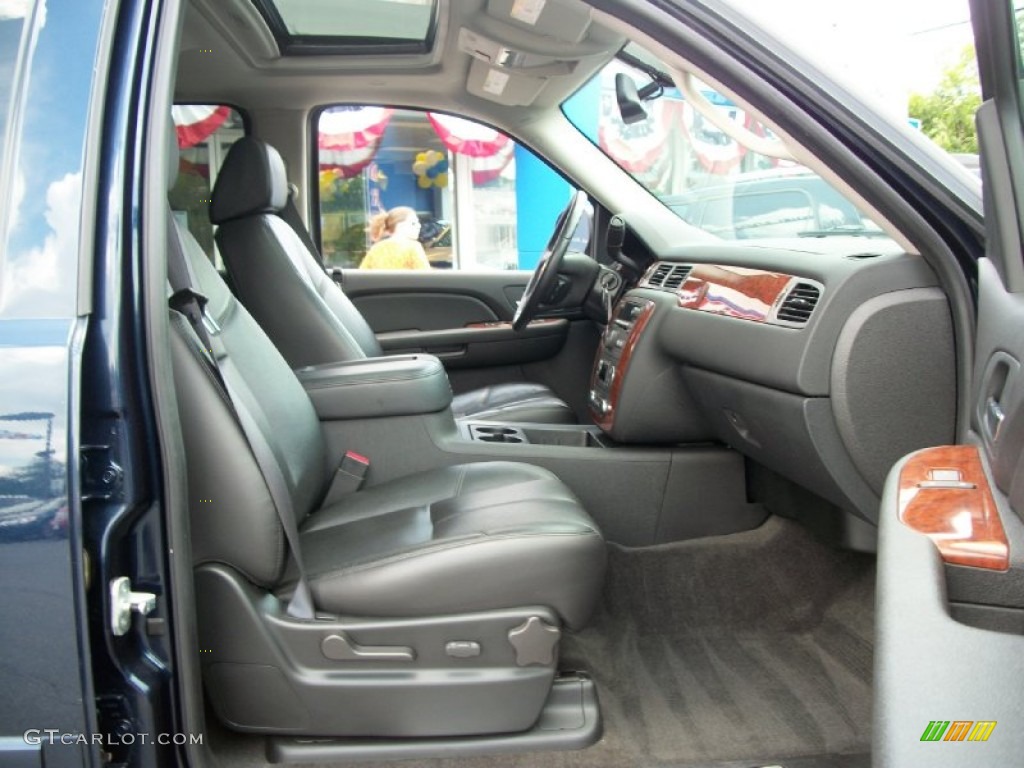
546	273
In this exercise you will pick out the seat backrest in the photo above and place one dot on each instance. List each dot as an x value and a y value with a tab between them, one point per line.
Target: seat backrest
233	515
233	518
303	311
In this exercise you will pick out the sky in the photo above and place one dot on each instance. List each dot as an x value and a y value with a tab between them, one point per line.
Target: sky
886	49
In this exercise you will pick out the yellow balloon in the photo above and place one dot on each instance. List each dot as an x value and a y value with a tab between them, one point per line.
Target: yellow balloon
327	183
441	180
434	157
421	157
423	182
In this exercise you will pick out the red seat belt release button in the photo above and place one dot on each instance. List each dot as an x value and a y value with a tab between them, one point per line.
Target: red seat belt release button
349	477
355	464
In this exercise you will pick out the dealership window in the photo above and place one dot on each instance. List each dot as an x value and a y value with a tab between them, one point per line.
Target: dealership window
483	201
205	134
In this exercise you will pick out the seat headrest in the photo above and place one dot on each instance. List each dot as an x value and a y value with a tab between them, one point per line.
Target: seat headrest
251	181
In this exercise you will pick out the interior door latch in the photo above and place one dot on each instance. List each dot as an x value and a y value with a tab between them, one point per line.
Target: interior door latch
123	601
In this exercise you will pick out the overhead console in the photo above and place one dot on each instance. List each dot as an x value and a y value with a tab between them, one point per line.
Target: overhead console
521	49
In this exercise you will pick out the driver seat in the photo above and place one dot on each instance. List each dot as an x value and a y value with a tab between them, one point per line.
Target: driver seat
304	312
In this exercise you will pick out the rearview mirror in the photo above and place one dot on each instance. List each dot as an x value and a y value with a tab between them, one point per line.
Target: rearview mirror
631	109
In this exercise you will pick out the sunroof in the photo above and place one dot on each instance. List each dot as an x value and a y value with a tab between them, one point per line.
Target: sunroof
351	26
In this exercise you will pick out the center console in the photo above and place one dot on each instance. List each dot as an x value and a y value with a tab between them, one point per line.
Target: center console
573	435
636	470
403	385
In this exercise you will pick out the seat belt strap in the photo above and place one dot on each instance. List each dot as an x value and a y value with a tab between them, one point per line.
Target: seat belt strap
192	304
301	604
290	214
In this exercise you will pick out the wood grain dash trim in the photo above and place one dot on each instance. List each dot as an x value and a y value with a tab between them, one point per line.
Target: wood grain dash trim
607	420
963	522
746	294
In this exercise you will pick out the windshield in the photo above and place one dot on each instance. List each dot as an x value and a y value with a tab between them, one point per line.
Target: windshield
712	164
914	61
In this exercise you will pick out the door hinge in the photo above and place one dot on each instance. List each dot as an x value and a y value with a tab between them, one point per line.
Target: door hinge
102	477
123	602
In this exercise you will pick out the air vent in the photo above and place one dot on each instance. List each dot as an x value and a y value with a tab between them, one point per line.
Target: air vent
676	277
657	278
668	277
798	305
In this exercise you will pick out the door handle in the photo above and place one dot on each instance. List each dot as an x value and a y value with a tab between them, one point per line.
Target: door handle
994	417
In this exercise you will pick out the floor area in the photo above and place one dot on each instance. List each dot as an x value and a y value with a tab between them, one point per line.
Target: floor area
740	650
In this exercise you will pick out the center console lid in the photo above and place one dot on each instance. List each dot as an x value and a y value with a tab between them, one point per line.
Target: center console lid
378	386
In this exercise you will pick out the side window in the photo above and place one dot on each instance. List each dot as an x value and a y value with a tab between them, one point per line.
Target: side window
482	202
205	134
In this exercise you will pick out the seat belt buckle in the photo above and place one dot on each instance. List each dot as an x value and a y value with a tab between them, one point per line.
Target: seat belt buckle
349	476
209	323
192	304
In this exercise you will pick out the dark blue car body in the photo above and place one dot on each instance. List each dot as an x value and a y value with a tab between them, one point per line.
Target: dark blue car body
76	469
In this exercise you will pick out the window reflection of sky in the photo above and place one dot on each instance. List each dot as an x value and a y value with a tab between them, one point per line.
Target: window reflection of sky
10	35
38	274
40	388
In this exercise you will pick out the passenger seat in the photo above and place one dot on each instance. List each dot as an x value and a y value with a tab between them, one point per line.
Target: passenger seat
439	597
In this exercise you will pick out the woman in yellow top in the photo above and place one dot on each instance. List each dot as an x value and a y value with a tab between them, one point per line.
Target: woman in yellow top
396	245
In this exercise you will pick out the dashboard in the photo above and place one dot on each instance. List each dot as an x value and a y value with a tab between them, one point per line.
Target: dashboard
824	362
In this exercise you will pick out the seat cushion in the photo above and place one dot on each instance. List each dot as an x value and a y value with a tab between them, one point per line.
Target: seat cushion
464	538
523	402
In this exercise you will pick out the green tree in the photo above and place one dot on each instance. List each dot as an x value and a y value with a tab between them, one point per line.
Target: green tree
947	113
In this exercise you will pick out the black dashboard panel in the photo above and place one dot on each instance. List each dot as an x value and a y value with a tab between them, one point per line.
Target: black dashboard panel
791	359
829	395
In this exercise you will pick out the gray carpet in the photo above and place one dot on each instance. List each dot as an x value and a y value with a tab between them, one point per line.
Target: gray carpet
733	651
751	646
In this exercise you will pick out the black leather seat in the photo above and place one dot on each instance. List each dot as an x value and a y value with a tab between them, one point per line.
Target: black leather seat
465	538
303	311
439	596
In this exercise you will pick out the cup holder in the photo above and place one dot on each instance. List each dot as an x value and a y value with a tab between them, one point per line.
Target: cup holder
496	433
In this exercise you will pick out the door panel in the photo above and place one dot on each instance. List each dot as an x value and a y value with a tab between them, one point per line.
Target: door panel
431	310
430	301
462	317
950	638
482	344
